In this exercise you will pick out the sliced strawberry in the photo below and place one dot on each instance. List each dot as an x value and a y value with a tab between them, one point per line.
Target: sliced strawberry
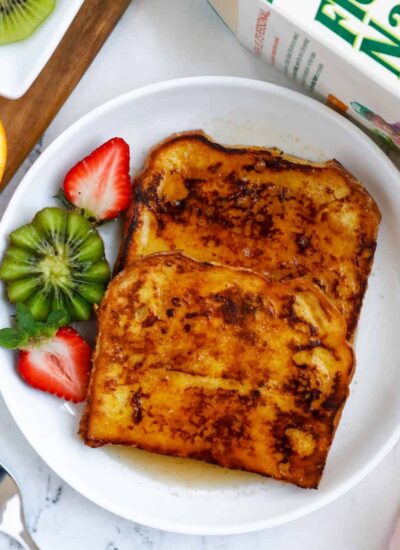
100	184
59	365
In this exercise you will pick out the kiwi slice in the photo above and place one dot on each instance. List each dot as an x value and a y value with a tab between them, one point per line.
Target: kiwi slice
19	18
56	262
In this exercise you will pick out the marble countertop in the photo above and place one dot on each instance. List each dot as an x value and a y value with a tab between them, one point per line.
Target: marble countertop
157	40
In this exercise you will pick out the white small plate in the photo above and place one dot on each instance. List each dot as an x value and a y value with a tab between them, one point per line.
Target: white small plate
21	62
186	496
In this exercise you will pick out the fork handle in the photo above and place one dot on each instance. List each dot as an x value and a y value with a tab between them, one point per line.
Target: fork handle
26	541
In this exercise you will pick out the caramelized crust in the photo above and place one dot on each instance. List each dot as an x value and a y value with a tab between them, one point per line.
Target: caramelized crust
219	364
259	209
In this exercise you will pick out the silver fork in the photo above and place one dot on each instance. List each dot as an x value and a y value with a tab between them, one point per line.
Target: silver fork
12	521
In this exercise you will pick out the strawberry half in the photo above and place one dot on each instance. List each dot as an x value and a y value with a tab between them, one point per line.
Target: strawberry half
100	184
52	357
59	365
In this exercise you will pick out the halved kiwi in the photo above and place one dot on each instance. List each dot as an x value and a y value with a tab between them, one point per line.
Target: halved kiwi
56	262
19	18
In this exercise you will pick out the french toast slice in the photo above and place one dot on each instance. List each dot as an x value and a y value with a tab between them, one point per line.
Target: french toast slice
257	208
219	364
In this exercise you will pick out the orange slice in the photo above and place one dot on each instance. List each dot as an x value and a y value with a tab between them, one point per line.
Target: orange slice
3	150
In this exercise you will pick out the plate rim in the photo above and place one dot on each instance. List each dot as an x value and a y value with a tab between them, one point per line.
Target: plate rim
157	87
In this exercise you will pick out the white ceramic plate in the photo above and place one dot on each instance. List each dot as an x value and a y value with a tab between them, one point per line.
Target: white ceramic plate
21	62
186	496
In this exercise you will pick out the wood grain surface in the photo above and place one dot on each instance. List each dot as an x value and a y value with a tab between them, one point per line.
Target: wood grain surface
26	119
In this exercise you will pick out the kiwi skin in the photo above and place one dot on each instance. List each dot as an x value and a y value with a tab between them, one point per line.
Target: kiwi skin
20	18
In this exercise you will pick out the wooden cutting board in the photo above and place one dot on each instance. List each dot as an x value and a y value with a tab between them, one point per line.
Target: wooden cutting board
26	119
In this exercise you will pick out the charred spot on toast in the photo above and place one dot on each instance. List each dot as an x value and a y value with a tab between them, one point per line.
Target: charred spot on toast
236	306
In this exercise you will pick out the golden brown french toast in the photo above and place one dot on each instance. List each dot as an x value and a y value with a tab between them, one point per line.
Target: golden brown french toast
219	364
259	209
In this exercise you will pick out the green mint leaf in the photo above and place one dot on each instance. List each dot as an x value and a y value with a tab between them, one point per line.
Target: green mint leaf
10	338
24	319
58	319
38	330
